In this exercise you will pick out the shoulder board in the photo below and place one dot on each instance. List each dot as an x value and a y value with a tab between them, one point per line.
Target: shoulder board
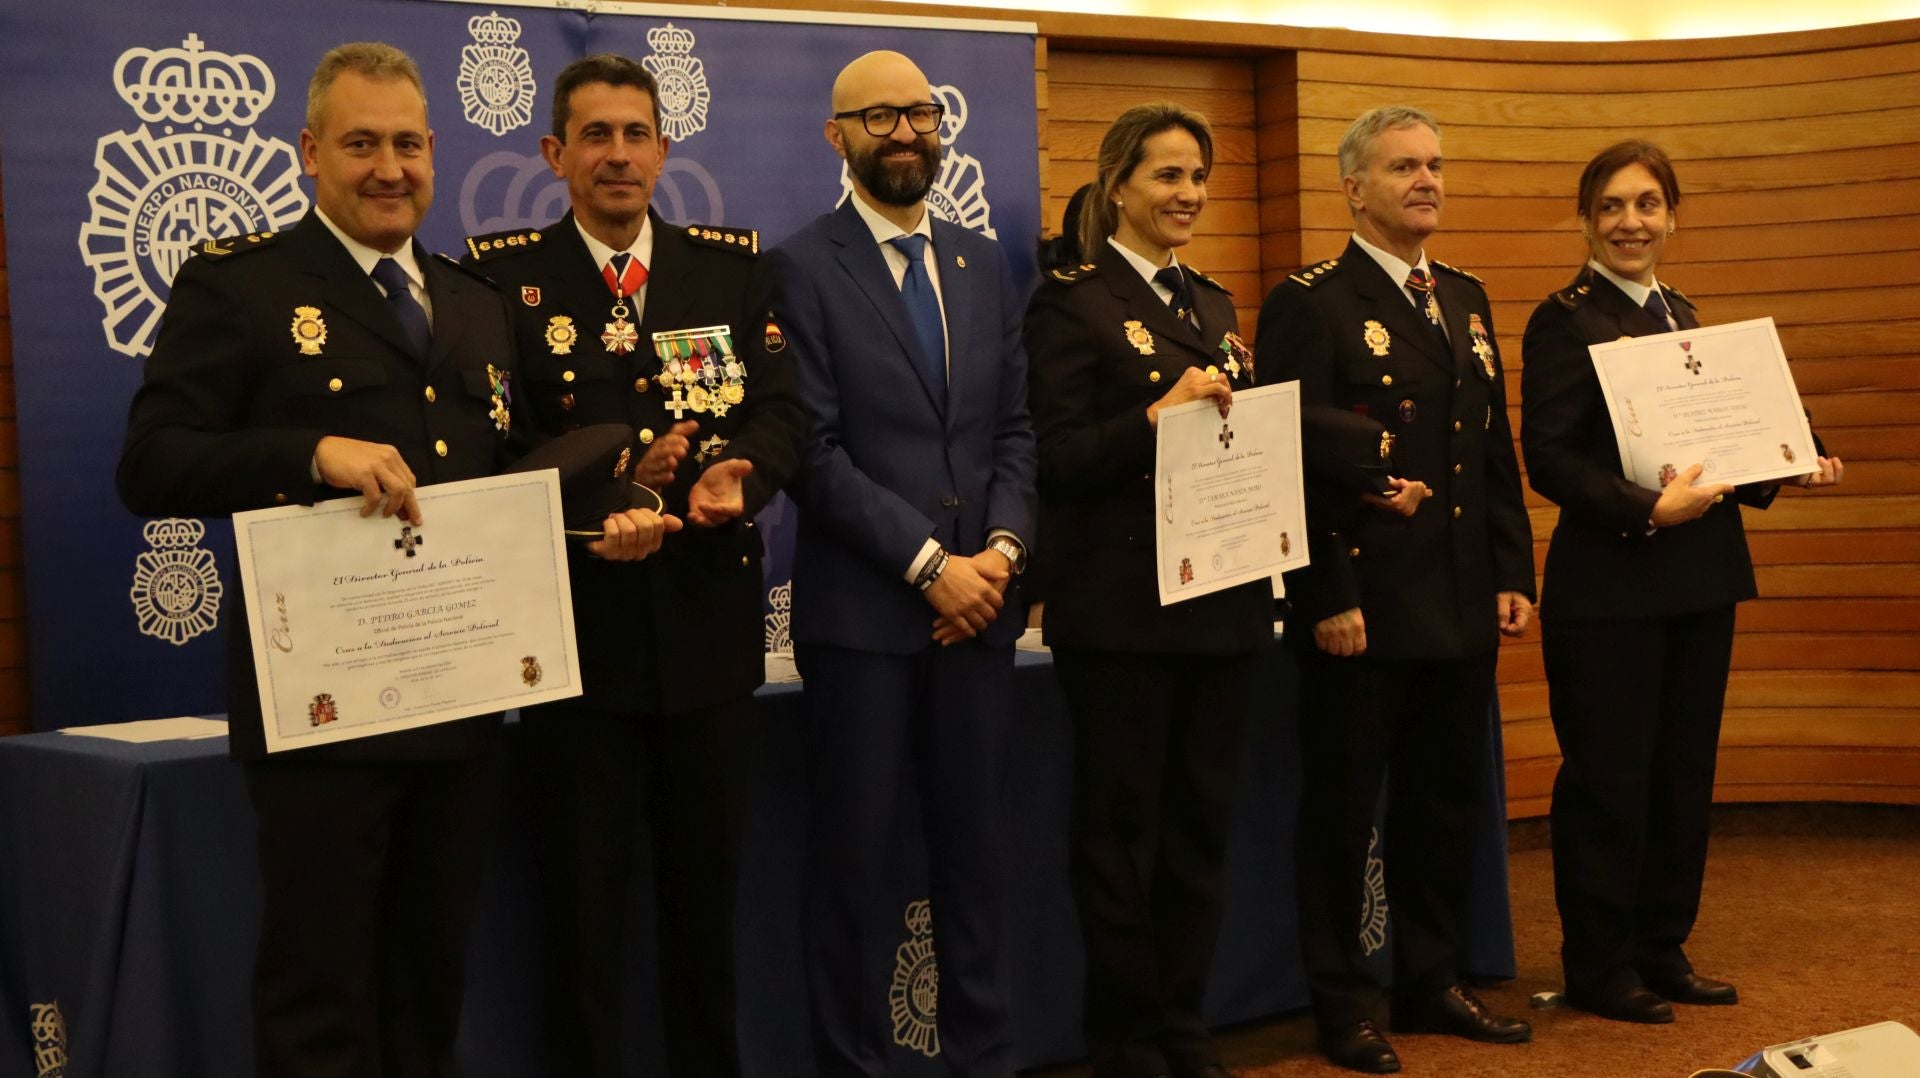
496	244
1313	275
454	263
1574	294
1206	280
1085	271
743	240
1455	270
228	246
1675	293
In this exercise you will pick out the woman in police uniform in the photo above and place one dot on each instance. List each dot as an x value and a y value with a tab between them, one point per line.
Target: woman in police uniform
1158	695
1637	617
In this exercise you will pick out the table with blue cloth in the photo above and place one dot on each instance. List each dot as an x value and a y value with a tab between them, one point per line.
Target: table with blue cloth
129	905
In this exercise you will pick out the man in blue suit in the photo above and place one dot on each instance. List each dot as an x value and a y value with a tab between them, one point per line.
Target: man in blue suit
915	506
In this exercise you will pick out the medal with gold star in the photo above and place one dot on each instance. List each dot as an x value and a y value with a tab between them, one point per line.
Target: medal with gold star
620	336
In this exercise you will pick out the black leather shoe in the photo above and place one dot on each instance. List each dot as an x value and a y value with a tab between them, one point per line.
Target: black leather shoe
1689	988
1459	1012
1636	1004
1360	1047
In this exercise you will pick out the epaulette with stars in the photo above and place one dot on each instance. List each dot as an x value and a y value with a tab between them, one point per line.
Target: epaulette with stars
1675	293
499	243
746	241
228	246
1206	280
1085	271
1313	275
1455	270
1576	293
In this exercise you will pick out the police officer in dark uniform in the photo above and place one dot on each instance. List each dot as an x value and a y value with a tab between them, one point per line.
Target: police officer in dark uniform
333	358
623	318
1397	621
1158	694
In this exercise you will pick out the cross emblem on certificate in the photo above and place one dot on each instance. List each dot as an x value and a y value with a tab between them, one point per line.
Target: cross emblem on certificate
678	404
408	540
1693	364
1226	436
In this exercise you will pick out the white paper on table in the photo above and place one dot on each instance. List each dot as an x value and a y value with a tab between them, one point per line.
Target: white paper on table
366	625
1721	397
1229	501
143	731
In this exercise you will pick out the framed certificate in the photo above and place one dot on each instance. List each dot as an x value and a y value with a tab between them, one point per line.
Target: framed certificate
367	625
1231	507
1720	397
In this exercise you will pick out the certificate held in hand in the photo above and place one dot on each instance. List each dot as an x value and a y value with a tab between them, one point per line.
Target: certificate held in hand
1720	397
368	625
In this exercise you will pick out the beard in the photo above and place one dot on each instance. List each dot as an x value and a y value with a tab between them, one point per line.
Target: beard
894	177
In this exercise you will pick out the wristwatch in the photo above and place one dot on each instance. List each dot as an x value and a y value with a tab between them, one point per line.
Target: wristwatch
1016	554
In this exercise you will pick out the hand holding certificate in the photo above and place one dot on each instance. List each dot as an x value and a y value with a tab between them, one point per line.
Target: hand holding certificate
366	625
1720	397
1231	508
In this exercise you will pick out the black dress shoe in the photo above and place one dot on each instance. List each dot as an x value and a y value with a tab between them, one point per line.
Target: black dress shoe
1636	1004
1359	1047
1689	988
1459	1012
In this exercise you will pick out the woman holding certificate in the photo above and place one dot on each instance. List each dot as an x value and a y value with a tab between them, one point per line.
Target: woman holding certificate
1158	694
1637	617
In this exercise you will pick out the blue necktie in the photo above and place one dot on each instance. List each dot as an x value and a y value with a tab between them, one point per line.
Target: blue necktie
413	319
1656	306
916	290
1174	281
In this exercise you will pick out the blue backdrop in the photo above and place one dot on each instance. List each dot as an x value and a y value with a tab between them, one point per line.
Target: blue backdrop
129	132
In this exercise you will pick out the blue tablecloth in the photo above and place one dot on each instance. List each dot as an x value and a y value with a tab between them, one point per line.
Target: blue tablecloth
128	897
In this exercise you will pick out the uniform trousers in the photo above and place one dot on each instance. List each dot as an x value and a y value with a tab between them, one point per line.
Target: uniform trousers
1157	742
1636	705
938	720
368	873
591	773
1418	728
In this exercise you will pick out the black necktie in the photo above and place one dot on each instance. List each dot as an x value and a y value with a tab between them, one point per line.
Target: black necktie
1421	285
1656	306
413	319
1175	282
923	307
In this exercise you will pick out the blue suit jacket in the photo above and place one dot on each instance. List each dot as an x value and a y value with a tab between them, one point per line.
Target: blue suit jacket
886	467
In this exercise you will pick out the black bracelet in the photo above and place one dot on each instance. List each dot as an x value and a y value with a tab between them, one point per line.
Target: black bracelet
931	571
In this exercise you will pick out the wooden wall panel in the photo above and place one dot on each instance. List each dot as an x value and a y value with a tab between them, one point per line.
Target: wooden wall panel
1088	90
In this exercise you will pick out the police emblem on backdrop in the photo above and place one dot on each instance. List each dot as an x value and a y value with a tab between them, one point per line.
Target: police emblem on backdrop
699	370
1373	895
959	192
49	1028
496	77
194	171
913	1000
176	586
779	619
684	95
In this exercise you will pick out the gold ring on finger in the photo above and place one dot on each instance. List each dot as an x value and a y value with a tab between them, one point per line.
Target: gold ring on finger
1718	498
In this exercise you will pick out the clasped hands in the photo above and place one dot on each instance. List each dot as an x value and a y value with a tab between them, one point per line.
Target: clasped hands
715	499
968	595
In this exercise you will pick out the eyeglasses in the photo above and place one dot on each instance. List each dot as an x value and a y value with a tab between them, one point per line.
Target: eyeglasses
882	120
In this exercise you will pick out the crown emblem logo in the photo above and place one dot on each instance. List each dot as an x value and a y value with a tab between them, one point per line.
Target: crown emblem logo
684	95
496	76
194	171
176	587
914	997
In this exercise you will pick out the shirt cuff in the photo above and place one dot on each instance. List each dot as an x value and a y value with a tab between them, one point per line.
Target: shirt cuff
920	560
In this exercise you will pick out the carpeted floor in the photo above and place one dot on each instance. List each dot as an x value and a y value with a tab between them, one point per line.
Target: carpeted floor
1813	911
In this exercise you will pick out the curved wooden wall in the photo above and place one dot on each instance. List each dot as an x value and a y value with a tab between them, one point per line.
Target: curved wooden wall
1800	156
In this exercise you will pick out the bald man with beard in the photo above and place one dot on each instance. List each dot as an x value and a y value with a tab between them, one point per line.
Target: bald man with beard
916	500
